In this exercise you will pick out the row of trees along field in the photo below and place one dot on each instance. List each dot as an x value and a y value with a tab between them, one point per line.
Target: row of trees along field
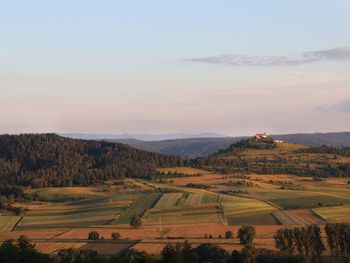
41	160
299	244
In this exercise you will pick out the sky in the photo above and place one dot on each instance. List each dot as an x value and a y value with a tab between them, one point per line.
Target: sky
192	66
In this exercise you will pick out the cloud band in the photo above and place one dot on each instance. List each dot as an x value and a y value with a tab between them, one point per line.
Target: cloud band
335	54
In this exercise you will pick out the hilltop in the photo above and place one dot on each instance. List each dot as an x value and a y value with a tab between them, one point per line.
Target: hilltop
250	143
266	156
195	147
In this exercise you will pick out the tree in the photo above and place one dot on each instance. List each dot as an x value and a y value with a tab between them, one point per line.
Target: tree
307	242
24	243
73	255
115	235
11	253
249	254
228	234
246	235
171	254
189	253
68	255
93	235
284	241
211	253
136	221
338	239
317	246
131	256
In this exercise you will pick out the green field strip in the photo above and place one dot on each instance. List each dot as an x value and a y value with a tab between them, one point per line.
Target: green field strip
309	201
104	199
210	198
257	219
48	221
139	207
64	225
68	212
74	215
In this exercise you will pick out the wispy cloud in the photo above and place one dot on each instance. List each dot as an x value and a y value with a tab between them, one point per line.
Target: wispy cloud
299	59
342	106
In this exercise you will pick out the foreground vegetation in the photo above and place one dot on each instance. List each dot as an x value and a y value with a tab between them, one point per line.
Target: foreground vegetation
298	244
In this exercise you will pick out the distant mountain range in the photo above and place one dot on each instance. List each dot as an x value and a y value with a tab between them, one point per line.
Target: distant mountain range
141	136
208	143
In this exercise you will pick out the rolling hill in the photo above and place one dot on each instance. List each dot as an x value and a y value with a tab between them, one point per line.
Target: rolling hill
266	156
194	147
50	160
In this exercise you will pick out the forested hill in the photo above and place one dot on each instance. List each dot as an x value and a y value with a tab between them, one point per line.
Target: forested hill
195	147
249	143
50	160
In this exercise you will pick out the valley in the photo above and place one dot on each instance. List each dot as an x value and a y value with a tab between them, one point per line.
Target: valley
197	203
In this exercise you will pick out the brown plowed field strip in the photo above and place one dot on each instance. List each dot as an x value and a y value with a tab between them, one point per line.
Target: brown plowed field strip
307	216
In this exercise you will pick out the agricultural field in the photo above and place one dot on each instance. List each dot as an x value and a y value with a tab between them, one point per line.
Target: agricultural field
307	216
309	201
169	200
193	200
138	208
7	223
187	204
336	214
87	212
200	214
66	193
210	198
248	210
286	218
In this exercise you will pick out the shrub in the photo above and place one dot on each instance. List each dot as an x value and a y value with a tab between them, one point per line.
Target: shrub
228	234
93	235
115	235
136	221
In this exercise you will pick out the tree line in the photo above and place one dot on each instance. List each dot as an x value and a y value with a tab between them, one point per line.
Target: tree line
294	245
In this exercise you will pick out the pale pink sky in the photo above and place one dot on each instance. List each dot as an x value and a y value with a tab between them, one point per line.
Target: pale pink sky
158	66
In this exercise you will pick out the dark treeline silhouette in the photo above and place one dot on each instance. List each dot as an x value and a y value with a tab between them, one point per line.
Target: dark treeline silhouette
305	242
294	245
41	160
